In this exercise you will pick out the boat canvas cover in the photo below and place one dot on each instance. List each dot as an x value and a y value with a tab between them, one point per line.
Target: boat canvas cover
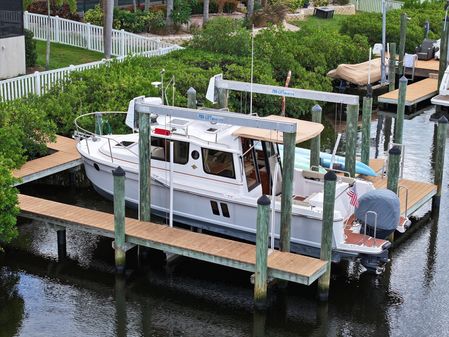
305	130
357	73
385	203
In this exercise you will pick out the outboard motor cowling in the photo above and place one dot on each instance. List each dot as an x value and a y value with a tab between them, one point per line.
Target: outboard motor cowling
386	205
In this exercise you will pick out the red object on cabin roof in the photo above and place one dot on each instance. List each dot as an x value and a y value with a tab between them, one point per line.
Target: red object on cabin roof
163	132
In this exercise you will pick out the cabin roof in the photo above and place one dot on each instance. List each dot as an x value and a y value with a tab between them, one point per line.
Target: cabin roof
305	130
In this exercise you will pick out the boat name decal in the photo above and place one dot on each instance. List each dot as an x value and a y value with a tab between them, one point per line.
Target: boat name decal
210	118
282	92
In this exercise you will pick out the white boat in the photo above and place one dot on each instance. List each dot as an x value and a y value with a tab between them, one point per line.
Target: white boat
218	175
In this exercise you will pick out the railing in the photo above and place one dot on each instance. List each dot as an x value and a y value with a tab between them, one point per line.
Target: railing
375	6
88	36
10	16
83	35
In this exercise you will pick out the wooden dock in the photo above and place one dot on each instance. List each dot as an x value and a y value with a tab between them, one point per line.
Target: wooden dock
65	157
418	192
281	265
424	68
416	93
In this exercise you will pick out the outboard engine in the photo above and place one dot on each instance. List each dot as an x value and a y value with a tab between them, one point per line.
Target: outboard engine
386	205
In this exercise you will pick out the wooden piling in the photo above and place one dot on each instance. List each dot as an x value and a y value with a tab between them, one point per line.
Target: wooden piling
261	278
402	37
351	138
222	98
330	180
366	124
119	219
399	124
443	50
98	123
191	98
392	67
315	143
394	163
440	149
62	244
144	167
287	190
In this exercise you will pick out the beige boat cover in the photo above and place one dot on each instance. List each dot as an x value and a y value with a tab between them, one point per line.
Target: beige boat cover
357	73
305	130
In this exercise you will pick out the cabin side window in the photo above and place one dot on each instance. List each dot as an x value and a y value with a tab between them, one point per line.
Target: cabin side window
250	164
160	150
218	163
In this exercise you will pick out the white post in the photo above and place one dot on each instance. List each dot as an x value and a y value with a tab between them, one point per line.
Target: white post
171	184
273	205
37	83
26	17
88	36
57	20
122	42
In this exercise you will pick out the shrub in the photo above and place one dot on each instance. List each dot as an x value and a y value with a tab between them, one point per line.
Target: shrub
223	35
270	14
30	48
65	10
427	4
181	12
135	22
318	3
371	26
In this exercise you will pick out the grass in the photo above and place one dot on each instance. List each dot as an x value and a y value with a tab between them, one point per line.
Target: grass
63	56
315	23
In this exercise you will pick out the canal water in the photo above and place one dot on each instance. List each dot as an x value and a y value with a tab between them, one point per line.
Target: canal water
82	297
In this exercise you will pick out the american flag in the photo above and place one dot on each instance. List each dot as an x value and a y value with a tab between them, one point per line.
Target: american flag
353	198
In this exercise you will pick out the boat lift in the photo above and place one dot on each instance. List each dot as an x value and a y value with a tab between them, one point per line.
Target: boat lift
217	89
217	83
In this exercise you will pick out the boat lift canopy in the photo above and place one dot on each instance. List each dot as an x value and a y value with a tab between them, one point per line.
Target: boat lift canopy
305	130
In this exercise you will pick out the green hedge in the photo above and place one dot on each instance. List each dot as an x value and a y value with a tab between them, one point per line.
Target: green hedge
30	48
370	24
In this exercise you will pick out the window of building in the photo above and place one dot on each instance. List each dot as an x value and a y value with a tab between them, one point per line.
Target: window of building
218	163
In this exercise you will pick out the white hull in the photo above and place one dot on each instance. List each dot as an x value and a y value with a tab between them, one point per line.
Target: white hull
194	209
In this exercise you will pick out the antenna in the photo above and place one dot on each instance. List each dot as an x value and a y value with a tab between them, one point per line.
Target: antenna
252	73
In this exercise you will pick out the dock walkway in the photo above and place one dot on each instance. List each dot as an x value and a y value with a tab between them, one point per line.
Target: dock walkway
281	265
65	157
416	93
418	192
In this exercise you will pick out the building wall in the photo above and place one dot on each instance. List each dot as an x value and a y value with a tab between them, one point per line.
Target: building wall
12	56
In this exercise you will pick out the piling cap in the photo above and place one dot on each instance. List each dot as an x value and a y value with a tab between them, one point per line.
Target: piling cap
403	79
118	172
395	151
191	90
263	200
317	108
330	176
442	120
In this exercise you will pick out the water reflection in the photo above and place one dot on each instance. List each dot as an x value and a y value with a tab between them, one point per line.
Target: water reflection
82	297
11	303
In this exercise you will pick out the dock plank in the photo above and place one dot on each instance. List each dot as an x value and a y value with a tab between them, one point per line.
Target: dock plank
65	157
283	265
416	92
418	192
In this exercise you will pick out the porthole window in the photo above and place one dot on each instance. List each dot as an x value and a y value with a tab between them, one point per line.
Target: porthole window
96	167
195	155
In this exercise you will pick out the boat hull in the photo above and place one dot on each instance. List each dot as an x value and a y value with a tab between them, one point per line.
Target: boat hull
195	210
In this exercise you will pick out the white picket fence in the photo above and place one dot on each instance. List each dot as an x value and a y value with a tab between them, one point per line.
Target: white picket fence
88	36
375	6
83	35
